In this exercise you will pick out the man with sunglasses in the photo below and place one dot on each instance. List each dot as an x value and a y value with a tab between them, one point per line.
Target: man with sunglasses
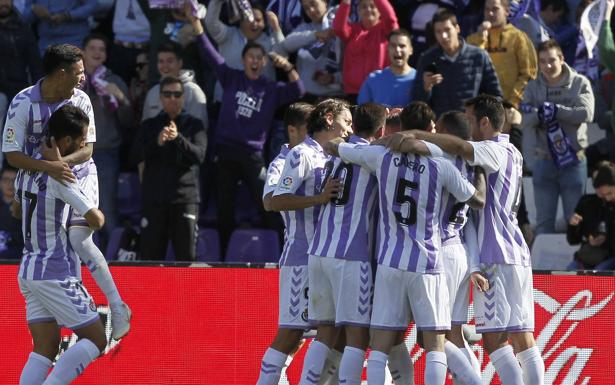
172	146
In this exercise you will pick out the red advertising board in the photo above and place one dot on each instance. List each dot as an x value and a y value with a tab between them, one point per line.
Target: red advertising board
211	326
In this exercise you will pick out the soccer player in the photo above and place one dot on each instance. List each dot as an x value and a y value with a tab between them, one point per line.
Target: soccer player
340	259
26	124
47	274
299	196
410	277
506	310
460	256
295	120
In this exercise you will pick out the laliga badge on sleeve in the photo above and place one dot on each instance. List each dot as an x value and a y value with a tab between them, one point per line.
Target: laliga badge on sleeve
9	136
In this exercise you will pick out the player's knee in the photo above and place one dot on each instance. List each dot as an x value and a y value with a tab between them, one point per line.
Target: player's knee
48	348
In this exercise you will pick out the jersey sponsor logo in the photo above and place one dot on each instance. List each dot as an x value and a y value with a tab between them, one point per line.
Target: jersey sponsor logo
9	136
286	182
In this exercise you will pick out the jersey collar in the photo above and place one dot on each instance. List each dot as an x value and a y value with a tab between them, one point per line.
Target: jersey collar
501	138
357	140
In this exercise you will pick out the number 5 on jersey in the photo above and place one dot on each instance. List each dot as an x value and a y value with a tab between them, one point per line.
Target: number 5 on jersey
407	211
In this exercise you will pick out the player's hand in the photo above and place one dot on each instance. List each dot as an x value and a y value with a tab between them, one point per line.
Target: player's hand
329	191
575	219
396	142
331	147
480	281
598	240
60	171
430	79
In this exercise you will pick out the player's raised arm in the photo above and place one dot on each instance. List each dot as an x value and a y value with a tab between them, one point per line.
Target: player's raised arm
364	156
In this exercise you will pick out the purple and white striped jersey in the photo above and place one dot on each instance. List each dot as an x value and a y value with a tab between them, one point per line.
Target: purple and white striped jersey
499	236
303	174
275	170
410	188
28	114
346	226
44	209
454	214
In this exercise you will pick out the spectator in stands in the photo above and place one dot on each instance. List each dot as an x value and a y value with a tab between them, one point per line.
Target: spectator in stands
170	64
554	15
131	31
112	114
392	86
453	71
232	40
60	21
593	223
557	106
606	47
248	104
11	239
21	62
171	145
509	48
365	41
318	51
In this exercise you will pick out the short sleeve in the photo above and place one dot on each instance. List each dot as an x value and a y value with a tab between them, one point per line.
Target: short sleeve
86	105
454	182
295	172
434	150
488	155
273	175
72	195
15	127
364	156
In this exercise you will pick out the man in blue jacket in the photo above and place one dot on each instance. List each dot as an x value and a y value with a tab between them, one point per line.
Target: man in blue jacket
453	71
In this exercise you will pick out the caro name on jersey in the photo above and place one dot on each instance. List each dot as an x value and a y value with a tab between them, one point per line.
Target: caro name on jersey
499	236
28	115
410	188
303	174
346	226
45	206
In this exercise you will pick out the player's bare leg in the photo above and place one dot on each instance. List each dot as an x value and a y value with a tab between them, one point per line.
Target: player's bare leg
285	342
46	341
92	342
529	357
314	362
84	246
503	358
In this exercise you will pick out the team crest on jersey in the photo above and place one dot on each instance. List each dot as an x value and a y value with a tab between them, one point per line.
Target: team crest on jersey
9	135
92	305
286	182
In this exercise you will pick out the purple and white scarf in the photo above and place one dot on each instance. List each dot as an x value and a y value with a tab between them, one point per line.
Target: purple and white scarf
97	79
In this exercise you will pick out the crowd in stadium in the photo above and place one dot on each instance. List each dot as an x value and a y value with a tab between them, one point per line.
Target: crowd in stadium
150	68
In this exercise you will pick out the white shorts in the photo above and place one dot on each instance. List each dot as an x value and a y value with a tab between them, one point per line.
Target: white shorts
293	306
509	303
66	302
87	178
340	291
458	281
401	295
